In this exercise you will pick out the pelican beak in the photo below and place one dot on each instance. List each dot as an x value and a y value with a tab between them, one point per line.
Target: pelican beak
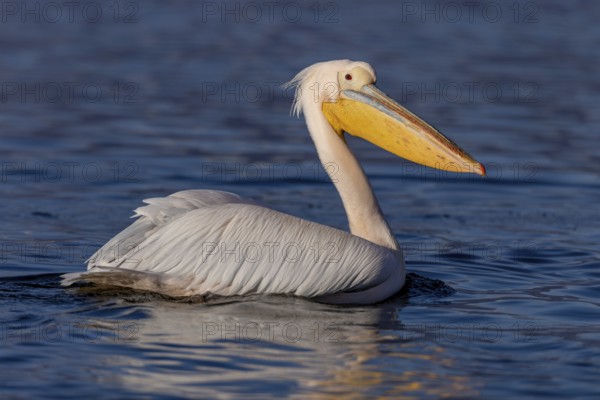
372	115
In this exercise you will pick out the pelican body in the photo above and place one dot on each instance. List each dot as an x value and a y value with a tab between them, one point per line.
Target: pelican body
202	242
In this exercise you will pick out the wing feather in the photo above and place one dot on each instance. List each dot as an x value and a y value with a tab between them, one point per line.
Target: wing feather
200	241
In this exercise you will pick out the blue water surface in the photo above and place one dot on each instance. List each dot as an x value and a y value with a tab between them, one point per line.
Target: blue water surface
108	103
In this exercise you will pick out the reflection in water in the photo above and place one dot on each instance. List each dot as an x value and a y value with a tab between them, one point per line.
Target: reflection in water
294	345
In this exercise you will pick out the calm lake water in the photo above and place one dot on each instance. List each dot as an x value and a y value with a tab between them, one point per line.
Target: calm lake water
105	104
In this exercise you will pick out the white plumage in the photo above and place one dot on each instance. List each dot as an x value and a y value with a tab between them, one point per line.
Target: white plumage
199	242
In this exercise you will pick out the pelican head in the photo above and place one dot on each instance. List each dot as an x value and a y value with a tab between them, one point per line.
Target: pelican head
345	94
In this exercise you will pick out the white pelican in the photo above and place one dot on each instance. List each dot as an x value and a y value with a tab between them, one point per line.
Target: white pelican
198	242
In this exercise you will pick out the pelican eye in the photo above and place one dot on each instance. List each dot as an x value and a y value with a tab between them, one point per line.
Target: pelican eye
348	77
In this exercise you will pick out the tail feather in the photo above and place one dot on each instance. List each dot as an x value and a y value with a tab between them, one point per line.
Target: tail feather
158	212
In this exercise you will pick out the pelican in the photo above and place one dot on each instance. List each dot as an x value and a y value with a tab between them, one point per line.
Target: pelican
206	242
